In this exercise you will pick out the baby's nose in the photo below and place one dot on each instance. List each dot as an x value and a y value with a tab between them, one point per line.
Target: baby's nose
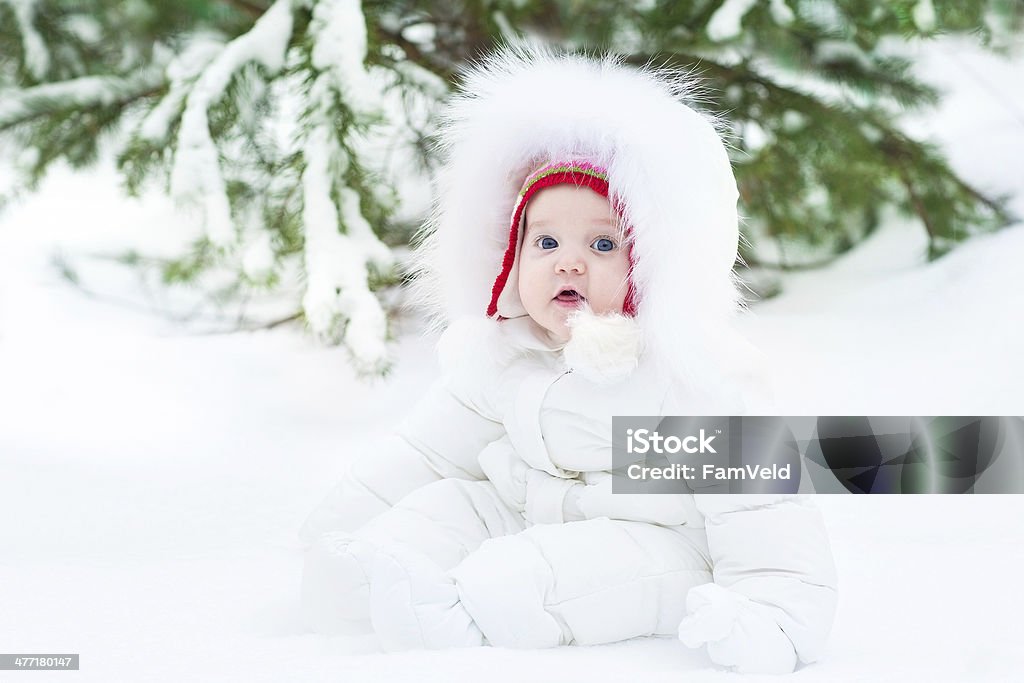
571	263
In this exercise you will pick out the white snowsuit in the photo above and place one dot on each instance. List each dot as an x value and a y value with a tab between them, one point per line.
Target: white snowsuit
488	516
416	540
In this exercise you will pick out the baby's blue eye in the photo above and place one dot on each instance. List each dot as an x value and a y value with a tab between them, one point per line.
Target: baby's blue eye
603	244
548	243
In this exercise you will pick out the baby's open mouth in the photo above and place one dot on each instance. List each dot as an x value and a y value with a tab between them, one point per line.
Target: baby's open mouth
570	296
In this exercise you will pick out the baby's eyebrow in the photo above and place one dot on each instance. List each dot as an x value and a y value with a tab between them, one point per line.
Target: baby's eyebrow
545	223
536	226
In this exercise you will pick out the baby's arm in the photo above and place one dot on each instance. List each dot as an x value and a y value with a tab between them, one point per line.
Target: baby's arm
440	438
595	499
774	595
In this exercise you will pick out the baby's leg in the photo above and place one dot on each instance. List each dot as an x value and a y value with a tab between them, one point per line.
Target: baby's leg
432	529
374	482
590	582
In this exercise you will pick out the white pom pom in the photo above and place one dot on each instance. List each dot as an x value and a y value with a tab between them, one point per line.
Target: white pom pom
603	348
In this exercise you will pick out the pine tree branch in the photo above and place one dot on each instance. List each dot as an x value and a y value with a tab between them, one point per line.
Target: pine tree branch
730	75
87	92
896	152
414	52
70	275
477	39
281	321
918	203
752	262
992	204
241	326
253	9
898	148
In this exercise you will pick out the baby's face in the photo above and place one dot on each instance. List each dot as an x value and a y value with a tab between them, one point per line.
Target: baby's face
572	252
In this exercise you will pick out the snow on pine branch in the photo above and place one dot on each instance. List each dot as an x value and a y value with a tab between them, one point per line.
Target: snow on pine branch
337	290
196	177
781	13
335	264
339	52
338	29
17	106
339	241
924	16
726	22
37	57
181	71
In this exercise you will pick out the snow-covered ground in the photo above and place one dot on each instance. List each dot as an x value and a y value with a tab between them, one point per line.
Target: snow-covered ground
152	479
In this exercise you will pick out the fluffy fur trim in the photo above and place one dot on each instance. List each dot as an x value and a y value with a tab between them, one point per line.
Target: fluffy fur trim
603	348
525	106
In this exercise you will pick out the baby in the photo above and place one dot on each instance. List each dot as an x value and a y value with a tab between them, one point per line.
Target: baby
582	253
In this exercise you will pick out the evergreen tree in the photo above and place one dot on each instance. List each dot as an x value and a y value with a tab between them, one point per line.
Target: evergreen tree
269	117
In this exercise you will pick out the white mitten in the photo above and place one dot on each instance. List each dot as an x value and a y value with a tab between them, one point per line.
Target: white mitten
739	633
535	493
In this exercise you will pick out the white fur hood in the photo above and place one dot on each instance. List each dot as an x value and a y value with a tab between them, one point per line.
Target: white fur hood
666	163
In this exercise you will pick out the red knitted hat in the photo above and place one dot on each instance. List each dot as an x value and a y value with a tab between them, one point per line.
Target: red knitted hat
580	174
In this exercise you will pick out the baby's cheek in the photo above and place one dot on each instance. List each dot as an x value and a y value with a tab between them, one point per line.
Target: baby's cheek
613	294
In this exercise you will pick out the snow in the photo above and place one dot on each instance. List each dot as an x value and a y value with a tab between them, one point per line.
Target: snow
505	28
421	34
36	56
755	137
325	249
181	71
781	13
339	241
258	257
725	22
82	92
339	49
85	28
196	178
337	292
840	50
152	479
826	15
357	227
924	16
793	120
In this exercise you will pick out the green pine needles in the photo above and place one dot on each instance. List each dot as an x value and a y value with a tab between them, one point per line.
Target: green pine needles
273	121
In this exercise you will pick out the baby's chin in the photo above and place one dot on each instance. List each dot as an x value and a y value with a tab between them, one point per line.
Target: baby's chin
559	333
557	330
